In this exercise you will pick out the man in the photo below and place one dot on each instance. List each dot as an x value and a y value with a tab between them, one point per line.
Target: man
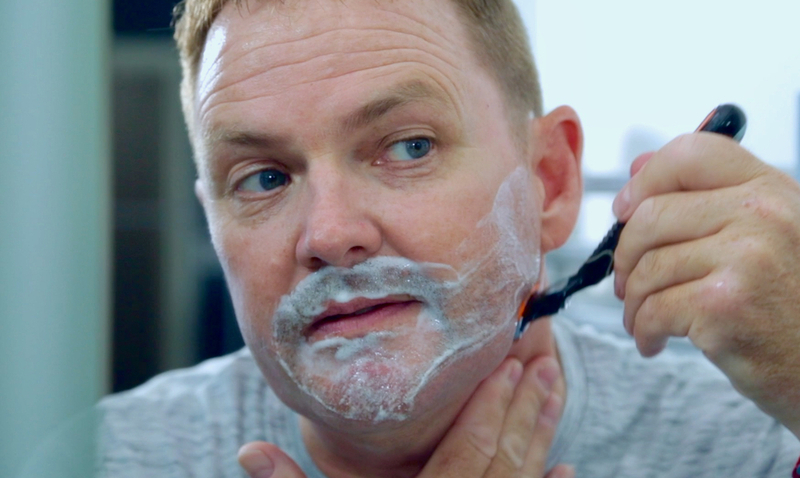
380	185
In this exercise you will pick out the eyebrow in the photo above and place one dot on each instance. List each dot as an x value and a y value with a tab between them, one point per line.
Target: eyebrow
247	138
396	97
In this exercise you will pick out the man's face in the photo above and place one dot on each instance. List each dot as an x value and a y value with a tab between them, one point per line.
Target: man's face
375	216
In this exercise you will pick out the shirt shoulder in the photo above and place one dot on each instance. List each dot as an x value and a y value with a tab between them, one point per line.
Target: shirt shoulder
672	415
191	422
222	378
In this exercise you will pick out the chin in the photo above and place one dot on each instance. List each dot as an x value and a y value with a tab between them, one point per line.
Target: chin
367	397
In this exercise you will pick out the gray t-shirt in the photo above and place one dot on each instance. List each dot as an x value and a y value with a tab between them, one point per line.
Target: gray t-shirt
671	416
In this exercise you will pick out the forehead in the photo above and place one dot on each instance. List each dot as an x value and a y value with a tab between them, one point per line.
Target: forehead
293	26
270	46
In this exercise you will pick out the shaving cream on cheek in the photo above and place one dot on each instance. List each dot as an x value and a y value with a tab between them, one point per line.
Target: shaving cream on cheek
378	376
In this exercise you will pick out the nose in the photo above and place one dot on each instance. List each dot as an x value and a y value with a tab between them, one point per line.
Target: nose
338	228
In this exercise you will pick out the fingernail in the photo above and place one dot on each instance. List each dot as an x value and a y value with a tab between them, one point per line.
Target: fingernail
515	372
548	374
657	347
256	464
552	410
622	202
627	322
619	291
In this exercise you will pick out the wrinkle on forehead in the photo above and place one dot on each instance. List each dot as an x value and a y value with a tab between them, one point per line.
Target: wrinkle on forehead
395	96
244	46
237	129
288	15
314	70
255	60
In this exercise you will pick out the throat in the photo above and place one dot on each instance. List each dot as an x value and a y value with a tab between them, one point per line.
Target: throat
393	454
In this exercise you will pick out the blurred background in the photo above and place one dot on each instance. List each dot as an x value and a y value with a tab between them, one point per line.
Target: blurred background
107	276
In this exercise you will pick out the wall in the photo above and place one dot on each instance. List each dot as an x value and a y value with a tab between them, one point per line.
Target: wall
659	67
54	211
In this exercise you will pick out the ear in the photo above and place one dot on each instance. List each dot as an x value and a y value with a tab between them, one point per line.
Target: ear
556	155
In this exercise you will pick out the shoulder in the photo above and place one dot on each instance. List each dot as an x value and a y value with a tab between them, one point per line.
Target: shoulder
611	362
215	379
187	398
194	418
671	415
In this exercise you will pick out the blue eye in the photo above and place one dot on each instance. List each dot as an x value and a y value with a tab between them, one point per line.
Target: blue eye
411	149
266	180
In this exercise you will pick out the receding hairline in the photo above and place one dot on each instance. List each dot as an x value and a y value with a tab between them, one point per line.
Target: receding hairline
494	35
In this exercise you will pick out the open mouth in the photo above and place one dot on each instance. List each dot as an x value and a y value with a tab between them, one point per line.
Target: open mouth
362	316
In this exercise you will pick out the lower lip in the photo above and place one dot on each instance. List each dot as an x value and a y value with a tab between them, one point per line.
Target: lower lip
386	317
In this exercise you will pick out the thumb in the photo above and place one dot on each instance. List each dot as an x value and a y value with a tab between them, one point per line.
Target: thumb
265	460
640	161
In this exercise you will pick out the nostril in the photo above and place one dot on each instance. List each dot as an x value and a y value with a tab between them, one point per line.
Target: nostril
357	251
315	264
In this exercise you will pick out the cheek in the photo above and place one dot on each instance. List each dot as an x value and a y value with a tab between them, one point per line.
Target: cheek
429	225
258	269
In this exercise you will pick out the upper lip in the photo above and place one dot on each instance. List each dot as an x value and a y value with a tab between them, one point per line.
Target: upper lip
337	310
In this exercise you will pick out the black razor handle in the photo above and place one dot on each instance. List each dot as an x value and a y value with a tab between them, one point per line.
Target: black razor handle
728	120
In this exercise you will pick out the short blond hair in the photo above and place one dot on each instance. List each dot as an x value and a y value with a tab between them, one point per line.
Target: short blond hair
495	29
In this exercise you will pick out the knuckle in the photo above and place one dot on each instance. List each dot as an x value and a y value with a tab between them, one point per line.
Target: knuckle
499	389
783	216
708	340
756	253
527	420
647	215
682	147
532	399
647	325
657	319
773	199
483	441
769	207
512	451
719	301
722	295
636	289
650	265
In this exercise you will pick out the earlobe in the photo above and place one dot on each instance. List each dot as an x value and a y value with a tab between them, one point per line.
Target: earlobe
558	146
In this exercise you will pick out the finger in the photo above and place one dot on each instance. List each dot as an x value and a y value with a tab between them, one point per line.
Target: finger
472	442
665	267
521	432
265	460
698	161
669	219
543	436
667	314
561	471
640	161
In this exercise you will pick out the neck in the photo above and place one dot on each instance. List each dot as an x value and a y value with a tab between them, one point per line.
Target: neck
402	452
397	454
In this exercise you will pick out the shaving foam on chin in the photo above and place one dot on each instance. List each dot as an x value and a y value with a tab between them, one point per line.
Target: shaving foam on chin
377	377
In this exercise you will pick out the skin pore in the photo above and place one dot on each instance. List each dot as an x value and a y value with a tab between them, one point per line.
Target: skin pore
332	133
